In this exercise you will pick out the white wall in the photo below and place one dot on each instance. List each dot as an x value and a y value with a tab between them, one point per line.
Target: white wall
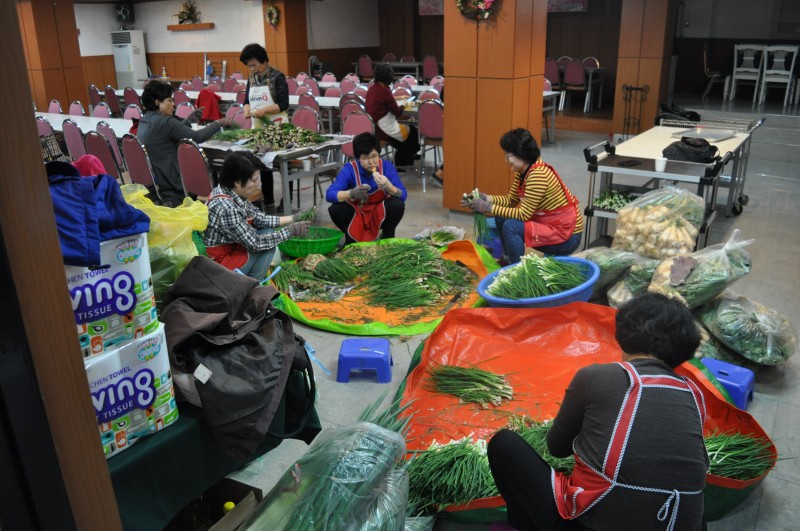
236	23
342	24
96	22
730	19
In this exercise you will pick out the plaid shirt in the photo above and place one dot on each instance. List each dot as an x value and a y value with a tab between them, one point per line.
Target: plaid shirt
228	216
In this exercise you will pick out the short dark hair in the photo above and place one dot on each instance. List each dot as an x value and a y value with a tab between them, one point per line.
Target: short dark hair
239	167
254	51
659	326
364	143
520	143
155	90
384	73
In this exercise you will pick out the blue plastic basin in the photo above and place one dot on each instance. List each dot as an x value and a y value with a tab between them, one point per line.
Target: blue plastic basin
577	294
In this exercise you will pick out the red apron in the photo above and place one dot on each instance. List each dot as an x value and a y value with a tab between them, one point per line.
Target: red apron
230	255
580	491
369	214
550	227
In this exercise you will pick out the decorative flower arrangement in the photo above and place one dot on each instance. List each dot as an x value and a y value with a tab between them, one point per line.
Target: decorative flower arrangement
476	9
188	13
273	16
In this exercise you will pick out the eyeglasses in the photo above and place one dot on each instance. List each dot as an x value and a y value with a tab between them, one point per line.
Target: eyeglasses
366	158
509	156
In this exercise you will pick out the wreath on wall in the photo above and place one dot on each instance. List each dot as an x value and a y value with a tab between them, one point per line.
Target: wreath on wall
476	9
273	16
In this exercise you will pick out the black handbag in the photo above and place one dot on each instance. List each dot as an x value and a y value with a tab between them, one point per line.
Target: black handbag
689	149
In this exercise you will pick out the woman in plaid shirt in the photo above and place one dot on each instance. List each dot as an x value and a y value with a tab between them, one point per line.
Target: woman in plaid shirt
239	236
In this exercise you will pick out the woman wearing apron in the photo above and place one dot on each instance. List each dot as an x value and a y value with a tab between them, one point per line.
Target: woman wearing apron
267	98
385	111
539	211
239	236
635	428
367	196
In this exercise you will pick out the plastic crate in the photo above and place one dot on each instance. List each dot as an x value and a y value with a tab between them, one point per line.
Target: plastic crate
320	240
579	293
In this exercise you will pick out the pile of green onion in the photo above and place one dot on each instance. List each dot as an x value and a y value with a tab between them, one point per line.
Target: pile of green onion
449	474
469	384
535	434
334	270
536	276
738	456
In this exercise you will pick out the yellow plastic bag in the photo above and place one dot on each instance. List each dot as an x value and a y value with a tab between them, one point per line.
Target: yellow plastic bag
170	237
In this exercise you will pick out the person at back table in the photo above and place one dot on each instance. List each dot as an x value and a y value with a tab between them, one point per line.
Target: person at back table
367	196
267	98
384	110
160	131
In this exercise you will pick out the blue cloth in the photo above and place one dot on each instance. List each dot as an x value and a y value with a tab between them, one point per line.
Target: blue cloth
512	234
88	211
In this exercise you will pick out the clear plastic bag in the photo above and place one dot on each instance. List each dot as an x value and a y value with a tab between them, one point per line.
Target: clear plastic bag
612	263
334	484
633	282
710	347
660	224
750	329
420	523
389	508
170	237
696	278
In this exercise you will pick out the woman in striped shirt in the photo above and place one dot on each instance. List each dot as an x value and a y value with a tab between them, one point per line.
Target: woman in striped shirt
539	211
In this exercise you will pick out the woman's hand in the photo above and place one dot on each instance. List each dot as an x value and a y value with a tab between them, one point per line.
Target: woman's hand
481	205
225	122
359	193
298	230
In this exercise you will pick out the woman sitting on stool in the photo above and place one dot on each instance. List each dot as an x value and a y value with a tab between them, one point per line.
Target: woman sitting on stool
239	236
367	196
539	211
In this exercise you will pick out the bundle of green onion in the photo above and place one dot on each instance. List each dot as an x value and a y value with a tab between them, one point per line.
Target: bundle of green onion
442	237
535	434
293	274
408	275
334	270
449	474
536	276
469	384
738	456
308	215
480	227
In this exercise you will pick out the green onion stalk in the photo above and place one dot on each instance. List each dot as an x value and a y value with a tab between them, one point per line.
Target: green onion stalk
535	434
469	384
442	237
449	474
536	276
388	417
738	456
480	227
308	215
335	271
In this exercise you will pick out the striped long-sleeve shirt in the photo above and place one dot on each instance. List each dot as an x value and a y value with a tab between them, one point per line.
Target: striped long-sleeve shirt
542	192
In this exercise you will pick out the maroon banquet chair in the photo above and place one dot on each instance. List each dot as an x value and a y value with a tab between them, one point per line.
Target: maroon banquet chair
139	169
195	171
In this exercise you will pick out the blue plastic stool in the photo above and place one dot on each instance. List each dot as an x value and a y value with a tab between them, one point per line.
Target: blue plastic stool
373	353
738	381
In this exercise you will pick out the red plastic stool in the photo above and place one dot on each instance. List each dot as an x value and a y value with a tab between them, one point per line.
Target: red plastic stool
372	353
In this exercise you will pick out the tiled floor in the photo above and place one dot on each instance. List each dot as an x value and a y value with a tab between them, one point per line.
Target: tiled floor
771	218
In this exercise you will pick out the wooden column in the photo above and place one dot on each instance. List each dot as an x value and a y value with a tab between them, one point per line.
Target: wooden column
287	43
645	49
52	53
495	77
29	233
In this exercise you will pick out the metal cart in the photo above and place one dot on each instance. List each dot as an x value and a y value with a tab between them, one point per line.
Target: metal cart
603	158
735	181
